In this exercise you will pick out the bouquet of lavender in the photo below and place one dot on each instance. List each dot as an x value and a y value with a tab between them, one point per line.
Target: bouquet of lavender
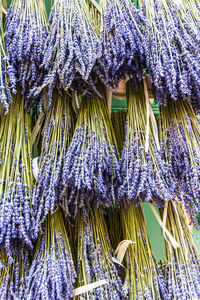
6	70
91	164
16	178
122	44
12	274
172	52
71	48
57	134
25	37
180	140
95	259
145	174
182	269
142	278
52	273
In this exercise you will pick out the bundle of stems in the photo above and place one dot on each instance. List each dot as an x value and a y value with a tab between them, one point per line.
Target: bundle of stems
5	70
71	48
119	123
122	42
192	15
144	172
142	278
16	184
182	268
180	140
171	49
56	137
52	273
27	27
91	164
12	275
95	258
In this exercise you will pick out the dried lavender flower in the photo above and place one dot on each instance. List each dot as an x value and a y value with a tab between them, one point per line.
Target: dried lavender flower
56	138
25	37
52	273
16	214
91	164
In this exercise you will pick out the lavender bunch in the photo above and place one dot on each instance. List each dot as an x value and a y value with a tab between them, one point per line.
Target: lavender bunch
6	84
95	259
172	52
12	274
16	178
180	140
144	172
91	163
143	281
71	48
122	44
25	37
191	15
56	138
52	273
182	269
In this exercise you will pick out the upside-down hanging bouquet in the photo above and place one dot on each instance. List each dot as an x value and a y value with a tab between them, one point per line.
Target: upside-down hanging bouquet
56	137
16	184
121	41
180	148
52	273
26	32
91	167
144	172
71	48
172	50
7	78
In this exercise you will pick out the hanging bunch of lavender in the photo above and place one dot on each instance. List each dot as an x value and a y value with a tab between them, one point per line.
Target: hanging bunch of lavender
16	184
25	37
172	52
71	48
180	140
121	40
56	138
52	273
12	274
142	278
182	268
91	164
6	70
191	14
95	259
145	174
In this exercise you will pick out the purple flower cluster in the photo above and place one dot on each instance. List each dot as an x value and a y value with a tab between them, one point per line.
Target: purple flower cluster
95	259
172	52
13	273
71	48
52	273
16	215
5	71
55	141
91	162
121	41
25	37
180	149
144	172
